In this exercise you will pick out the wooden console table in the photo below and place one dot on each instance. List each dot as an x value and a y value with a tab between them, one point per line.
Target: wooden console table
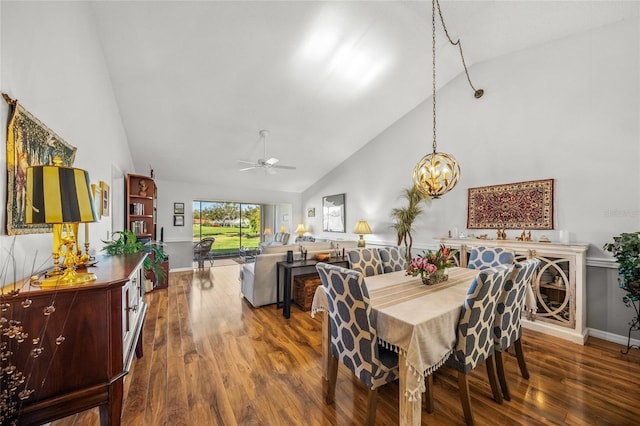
101	323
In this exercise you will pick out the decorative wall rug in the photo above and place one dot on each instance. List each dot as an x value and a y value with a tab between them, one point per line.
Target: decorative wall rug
29	143
521	205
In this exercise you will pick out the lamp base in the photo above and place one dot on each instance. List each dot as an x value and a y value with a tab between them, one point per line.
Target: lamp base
361	242
68	279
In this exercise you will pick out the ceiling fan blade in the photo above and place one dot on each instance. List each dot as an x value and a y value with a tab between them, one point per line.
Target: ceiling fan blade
271	161
284	167
246	162
248	168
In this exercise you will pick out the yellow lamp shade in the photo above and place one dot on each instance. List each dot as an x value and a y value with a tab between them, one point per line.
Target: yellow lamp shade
362	227
58	194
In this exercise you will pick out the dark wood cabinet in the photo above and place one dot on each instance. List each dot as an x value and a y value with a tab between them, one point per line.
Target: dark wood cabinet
101	324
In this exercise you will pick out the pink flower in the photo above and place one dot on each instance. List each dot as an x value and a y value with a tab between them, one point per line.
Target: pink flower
430	268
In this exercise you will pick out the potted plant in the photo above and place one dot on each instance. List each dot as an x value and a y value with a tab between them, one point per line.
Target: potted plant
404	217
126	242
626	249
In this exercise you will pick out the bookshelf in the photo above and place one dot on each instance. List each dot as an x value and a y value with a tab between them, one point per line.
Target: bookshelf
141	206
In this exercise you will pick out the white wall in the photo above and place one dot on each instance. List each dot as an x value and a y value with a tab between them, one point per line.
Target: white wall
52	63
568	110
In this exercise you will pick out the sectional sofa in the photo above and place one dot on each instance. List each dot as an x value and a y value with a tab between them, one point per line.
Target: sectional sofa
258	278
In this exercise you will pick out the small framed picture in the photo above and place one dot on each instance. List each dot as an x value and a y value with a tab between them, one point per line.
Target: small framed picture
178	220
106	195
311	212
97	199
178	208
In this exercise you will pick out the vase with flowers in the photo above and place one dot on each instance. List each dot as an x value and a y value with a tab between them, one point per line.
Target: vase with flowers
431	265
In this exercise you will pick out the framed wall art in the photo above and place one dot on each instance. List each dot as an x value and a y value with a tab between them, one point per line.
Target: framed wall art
311	212
333	213
97	199
105	192
178	208
178	220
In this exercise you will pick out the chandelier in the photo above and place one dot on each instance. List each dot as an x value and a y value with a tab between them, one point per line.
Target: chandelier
438	173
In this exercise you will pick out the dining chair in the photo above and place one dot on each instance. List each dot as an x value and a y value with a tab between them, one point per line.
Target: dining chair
507	330
474	342
489	257
354	340
392	259
365	260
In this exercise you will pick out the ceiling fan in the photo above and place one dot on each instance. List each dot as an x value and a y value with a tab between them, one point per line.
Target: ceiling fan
268	164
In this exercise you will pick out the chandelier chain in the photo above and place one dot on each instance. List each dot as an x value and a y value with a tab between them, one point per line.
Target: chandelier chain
458	43
433	57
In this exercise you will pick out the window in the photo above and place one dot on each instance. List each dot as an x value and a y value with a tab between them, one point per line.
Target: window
233	225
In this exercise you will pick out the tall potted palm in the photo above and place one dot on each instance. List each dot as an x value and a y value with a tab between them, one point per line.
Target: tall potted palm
403	217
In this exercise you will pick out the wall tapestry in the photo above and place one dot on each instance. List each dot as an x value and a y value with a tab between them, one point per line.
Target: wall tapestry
521	205
29	143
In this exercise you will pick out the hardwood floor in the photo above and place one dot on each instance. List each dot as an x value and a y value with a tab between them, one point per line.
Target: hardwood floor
211	359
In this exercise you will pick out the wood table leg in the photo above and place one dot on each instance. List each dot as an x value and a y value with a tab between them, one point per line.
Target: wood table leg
326	344
326	352
410	411
286	309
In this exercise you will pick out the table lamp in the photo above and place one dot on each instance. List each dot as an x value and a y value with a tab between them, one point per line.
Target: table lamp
61	196
362	227
300	229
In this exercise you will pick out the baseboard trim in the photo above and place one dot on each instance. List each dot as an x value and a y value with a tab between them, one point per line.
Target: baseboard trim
610	337
571	335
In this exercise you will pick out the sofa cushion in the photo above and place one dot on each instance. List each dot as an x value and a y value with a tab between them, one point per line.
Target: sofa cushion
278	249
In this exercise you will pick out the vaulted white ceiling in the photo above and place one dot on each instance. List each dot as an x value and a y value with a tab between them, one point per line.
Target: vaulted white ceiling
195	81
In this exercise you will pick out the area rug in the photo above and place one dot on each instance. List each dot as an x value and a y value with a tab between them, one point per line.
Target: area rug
521	205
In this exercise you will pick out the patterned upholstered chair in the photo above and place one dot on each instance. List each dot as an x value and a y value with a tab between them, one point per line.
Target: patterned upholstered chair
392	259
489	257
475	337
354	339
366	261
507	329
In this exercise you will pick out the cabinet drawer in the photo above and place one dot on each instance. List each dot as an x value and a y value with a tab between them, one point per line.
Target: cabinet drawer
132	304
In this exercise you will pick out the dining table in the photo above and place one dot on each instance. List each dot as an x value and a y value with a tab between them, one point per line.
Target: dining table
417	321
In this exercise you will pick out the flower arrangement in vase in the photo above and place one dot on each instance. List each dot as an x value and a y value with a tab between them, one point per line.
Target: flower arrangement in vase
431	265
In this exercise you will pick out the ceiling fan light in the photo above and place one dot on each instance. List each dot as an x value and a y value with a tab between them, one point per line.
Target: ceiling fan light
436	174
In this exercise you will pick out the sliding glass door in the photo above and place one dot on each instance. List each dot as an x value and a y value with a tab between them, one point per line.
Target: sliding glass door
233	225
